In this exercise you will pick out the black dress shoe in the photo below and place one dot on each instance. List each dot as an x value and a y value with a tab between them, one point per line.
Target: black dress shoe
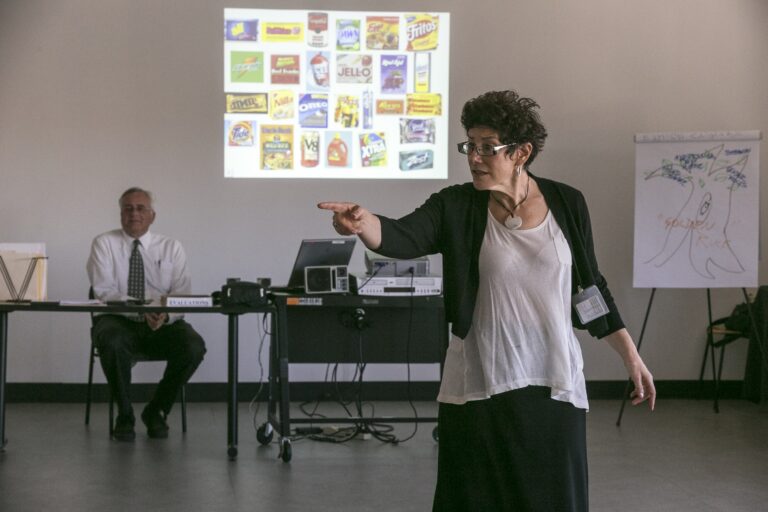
157	428
123	430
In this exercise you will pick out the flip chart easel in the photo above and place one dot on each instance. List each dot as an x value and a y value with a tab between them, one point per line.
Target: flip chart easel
755	333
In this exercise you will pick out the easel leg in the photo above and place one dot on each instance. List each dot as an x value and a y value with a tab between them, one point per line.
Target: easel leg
639	343
707	347
711	345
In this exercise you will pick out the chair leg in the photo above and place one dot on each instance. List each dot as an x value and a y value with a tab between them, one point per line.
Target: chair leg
89	388
184	409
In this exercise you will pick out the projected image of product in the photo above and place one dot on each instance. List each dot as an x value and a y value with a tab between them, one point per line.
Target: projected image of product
310	149
338	150
394	73
317	29
336	94
319	76
347	110
313	110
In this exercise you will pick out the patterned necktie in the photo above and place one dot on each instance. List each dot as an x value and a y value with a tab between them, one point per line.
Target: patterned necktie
136	273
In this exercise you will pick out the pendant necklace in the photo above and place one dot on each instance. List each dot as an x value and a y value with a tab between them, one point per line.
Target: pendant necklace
513	222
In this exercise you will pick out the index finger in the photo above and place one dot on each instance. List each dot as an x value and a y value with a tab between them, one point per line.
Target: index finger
336	206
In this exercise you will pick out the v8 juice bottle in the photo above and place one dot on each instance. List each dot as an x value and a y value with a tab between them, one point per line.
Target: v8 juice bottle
310	149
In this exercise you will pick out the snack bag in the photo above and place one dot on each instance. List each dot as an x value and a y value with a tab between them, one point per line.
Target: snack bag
421	30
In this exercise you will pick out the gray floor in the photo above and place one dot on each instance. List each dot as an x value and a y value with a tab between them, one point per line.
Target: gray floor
683	457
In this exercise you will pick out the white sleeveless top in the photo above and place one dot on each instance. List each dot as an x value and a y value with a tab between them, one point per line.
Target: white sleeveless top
521	332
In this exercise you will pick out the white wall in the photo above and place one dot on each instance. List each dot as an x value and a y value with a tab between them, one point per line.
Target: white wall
97	96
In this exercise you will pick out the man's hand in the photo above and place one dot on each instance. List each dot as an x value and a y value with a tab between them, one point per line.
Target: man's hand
155	320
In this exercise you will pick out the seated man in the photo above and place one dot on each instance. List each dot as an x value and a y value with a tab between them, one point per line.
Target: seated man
133	263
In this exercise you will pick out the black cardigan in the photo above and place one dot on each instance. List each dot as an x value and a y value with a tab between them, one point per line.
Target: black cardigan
452	222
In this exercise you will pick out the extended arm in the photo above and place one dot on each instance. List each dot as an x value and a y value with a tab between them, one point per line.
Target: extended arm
353	219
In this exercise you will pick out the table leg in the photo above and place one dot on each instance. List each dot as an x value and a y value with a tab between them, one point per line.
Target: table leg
3	359
232	339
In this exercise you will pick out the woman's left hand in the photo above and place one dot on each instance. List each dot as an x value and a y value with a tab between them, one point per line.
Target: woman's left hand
643	381
644	390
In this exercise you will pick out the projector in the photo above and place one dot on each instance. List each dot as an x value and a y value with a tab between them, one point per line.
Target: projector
326	279
378	265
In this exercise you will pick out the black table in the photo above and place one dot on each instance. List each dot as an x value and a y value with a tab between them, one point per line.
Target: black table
330	328
232	312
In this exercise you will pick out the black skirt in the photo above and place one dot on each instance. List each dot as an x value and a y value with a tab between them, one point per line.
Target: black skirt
519	450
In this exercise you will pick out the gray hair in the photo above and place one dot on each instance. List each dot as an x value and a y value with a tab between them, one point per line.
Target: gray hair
135	190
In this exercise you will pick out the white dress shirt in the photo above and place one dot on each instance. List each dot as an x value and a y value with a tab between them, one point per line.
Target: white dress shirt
165	266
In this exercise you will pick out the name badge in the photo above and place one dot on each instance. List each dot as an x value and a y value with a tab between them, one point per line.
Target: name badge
589	304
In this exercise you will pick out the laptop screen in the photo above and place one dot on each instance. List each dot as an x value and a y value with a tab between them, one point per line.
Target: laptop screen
326	251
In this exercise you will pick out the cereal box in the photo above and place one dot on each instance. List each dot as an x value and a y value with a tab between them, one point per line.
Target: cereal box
382	32
373	149
421	32
276	146
281	104
394	74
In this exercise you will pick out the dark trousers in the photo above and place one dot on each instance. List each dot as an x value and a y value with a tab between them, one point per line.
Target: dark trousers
118	339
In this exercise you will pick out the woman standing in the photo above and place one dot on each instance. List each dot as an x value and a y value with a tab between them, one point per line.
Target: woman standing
520	272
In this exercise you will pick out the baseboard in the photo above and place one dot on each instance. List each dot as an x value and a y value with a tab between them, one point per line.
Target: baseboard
308	391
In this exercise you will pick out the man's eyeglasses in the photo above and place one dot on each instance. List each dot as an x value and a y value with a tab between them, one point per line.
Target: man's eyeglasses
465	148
138	208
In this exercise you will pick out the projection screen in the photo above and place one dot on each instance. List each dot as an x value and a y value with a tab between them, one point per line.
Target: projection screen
335	94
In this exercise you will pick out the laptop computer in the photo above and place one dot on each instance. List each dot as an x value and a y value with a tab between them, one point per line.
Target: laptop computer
314	252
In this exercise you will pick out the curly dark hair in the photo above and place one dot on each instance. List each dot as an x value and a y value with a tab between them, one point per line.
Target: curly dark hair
513	117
